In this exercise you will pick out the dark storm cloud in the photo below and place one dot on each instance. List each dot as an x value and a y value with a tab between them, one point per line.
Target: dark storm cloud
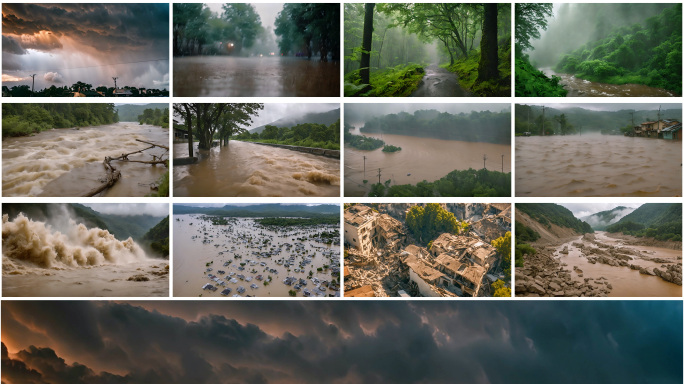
366	342
104	27
11	45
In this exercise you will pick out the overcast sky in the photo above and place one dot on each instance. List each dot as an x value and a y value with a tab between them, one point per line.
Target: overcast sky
275	111
66	43
610	106
342	342
580	210
131	209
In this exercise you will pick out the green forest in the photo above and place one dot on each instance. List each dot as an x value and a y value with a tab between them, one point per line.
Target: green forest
84	89
155	116
625	44
359	141
302	29
389	47
294	221
470	183
485	126
158	237
428	222
658	221
547	214
544	120
303	135
22	119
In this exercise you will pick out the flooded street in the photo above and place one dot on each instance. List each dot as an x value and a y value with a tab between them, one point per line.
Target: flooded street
255	77
577	87
439	82
625	281
68	162
247	169
260	259
419	159
597	165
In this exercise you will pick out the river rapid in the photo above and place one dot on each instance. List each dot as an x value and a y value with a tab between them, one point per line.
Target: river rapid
597	165
253	170
419	159
68	162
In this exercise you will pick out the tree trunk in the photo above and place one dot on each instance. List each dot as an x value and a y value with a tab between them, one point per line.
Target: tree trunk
367	43
188	124
489	60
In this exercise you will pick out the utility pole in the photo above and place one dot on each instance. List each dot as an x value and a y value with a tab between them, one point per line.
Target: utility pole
543	107
33	83
364	167
484	157
502	156
378	175
114	78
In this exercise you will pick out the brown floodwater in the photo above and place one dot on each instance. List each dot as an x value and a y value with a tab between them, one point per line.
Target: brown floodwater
255	77
68	162
577	87
248	169
626	282
597	165
198	245
74	261
419	159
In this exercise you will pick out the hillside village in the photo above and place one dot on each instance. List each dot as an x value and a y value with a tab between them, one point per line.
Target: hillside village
383	258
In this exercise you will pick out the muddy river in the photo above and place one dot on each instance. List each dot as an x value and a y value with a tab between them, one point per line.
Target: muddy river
577	87
68	162
255	77
597	165
257	258
626	282
247	169
419	159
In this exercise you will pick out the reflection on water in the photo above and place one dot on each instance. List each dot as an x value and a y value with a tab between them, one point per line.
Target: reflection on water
419	159
68	162
247	169
577	87
626	282
255	77
597	165
239	251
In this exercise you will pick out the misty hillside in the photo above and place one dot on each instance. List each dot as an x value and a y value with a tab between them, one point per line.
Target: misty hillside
158	237
547	214
586	119
599	221
130	112
261	210
326	118
659	221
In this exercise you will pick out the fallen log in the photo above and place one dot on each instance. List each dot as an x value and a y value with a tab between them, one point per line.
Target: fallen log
113	175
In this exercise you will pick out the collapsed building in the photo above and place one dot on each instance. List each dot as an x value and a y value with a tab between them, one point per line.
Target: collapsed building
366	230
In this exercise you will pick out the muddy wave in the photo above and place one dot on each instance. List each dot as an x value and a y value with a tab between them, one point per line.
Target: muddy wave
39	244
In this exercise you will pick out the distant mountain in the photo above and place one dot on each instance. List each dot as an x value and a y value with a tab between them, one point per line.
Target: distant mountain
326	118
659	221
261	210
130	112
599	221
547	214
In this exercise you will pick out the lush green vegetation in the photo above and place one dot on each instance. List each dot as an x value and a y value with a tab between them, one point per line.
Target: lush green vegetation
428	222
524	233
649	54
469	183
485	126
529	81
467	70
23	119
155	116
162	186
547	214
658	221
391	148
158	237
522	249
130	112
500	290
361	142
401	81
303	135
296	221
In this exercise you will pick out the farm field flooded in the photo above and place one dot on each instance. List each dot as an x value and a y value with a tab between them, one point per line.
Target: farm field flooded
240	257
597	165
68	162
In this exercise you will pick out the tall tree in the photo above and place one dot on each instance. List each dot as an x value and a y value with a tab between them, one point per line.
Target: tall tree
529	19
367	43
489	58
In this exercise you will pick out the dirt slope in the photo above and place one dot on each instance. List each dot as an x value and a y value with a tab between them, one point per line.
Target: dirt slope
549	235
